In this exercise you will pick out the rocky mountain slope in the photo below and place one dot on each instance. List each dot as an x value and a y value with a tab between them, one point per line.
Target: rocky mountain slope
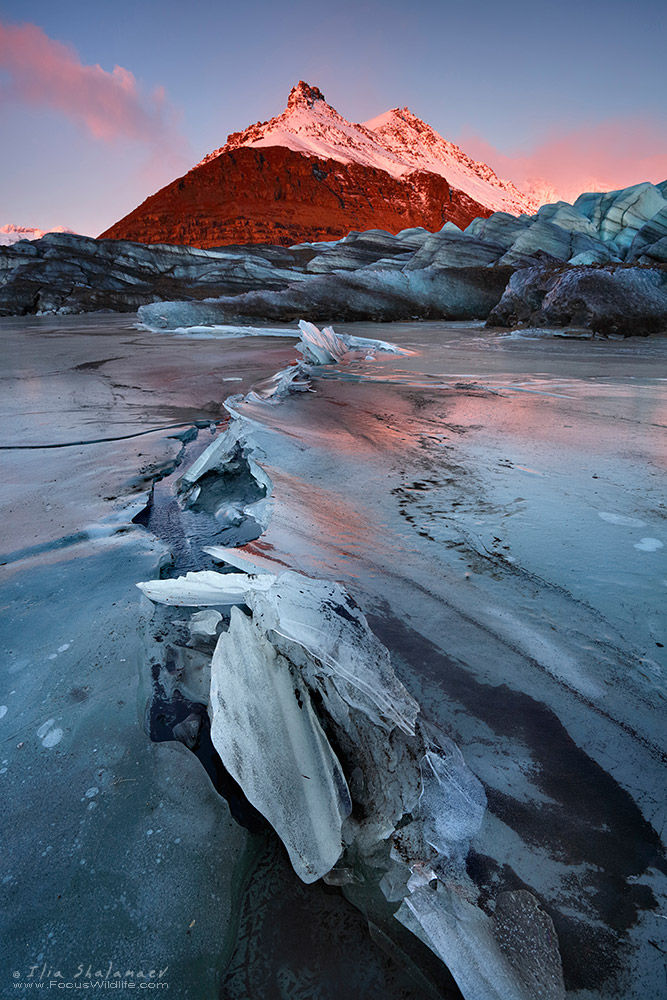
309	174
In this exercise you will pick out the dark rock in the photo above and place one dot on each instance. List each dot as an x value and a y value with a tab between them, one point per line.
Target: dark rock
188	731
273	195
612	300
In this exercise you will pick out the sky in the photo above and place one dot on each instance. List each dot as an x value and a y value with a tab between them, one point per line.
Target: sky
102	103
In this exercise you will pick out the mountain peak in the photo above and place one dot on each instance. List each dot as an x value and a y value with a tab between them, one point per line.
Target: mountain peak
396	142
303	95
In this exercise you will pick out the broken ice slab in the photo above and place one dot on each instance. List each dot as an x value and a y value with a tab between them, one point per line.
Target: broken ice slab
321	347
204	588
270	740
318	616
294	378
230	447
205	622
326	347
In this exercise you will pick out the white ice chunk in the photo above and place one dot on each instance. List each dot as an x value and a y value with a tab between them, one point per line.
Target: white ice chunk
321	347
205	622
223	453
452	802
325	347
269	739
52	738
611	518
649	544
205	587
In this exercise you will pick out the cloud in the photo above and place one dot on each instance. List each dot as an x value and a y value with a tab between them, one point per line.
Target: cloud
597	157
46	73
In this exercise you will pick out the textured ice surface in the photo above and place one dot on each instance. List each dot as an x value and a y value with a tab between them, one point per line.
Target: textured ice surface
466	524
452	802
456	493
480	950
82	881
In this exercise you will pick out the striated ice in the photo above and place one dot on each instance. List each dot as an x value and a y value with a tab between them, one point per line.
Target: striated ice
269	738
320	347
320	617
234	557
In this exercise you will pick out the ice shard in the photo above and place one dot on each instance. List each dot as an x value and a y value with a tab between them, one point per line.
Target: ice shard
320	347
452	802
511	956
269	738
204	588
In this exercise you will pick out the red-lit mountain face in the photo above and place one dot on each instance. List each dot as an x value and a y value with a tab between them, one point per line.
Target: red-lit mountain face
311	175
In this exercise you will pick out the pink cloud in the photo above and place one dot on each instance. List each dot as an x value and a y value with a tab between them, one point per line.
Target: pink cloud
601	157
47	73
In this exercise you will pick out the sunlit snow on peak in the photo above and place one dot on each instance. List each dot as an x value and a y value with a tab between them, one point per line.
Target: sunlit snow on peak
396	142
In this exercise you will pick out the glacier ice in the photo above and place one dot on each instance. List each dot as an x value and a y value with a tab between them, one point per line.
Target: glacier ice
320	347
205	622
300	673
481	951
318	617
234	557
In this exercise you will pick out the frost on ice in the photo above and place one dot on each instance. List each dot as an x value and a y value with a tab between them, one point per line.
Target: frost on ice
452	801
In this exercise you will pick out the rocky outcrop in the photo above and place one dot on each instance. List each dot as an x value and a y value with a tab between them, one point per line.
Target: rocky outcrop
309	174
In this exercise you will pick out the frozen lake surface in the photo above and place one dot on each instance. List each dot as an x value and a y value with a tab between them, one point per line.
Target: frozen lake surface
494	503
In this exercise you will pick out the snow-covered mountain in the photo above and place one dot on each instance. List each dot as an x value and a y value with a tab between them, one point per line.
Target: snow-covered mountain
309	175
12	234
397	142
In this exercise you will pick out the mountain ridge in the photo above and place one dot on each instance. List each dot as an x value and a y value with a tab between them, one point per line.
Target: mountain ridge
386	142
